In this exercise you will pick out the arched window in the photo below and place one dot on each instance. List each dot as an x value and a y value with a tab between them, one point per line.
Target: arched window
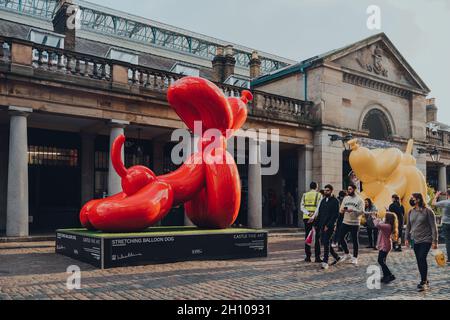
378	125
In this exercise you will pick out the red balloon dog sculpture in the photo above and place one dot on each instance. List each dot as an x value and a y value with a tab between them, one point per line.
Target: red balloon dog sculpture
207	183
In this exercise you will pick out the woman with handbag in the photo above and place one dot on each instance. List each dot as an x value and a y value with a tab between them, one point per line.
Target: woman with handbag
372	231
422	231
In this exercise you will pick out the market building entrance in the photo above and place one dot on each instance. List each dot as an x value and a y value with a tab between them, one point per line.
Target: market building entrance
54	179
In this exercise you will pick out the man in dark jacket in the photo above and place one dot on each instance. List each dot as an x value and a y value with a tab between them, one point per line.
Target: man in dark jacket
324	222
397	208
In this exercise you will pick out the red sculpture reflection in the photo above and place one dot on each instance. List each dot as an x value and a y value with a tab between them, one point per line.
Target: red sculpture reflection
207	183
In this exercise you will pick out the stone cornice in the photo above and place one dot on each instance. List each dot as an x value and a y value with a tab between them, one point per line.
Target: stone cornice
365	82
365	134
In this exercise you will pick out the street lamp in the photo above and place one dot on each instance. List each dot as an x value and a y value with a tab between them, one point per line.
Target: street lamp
433	152
344	139
435	155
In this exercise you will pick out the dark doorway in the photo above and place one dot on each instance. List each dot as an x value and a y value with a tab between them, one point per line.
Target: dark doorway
137	152
54	179
433	176
378	125
176	215
289	171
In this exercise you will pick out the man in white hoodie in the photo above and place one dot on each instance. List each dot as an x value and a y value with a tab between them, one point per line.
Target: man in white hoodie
352	208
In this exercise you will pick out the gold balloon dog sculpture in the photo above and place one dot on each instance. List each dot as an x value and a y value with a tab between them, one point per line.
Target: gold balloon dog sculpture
385	172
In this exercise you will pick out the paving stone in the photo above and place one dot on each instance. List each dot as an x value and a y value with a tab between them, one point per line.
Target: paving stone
33	271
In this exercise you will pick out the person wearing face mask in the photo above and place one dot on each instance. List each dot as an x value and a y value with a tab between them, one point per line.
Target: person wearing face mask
422	231
324	220
352	208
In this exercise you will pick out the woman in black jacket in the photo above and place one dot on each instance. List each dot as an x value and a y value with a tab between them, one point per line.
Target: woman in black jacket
397	208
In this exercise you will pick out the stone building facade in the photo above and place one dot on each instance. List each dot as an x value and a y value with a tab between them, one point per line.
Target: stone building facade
66	94
366	89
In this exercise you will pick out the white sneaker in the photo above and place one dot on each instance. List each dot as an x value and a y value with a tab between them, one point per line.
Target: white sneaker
346	257
334	245
325	266
355	261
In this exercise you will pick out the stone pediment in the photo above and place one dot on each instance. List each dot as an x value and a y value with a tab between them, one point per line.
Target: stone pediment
377	57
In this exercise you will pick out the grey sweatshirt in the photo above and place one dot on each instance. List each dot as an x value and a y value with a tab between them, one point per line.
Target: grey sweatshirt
355	203
422	226
446	208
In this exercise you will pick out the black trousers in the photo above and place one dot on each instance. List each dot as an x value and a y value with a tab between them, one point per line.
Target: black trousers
325	237
421	251
308	228
382	256
337	233
400	232
372	234
400	236
354	232
446	232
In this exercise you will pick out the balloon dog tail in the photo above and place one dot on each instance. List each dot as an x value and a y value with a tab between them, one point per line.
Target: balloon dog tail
410	147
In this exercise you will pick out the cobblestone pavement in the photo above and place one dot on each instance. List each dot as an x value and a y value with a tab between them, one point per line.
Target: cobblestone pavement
33	271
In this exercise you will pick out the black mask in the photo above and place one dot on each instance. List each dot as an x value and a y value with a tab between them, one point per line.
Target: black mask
412	202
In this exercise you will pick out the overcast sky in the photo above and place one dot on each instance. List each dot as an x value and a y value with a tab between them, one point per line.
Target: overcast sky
299	29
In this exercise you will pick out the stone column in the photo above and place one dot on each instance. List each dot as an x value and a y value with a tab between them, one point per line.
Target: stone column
114	182
4	142
87	167
443	178
17	197
254	186
305	174
305	168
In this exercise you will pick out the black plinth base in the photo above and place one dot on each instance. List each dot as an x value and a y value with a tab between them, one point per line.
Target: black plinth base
160	245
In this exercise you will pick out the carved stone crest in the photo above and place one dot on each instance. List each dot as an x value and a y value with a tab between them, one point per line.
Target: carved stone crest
372	61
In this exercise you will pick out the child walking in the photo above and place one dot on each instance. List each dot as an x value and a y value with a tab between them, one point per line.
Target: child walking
388	232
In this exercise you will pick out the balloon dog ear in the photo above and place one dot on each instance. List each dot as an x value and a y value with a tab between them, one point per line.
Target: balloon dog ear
239	109
199	100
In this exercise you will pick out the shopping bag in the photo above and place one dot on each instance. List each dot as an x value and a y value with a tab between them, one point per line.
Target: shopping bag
311	236
440	257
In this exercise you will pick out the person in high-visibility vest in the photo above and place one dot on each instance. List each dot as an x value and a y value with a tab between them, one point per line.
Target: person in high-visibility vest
308	206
